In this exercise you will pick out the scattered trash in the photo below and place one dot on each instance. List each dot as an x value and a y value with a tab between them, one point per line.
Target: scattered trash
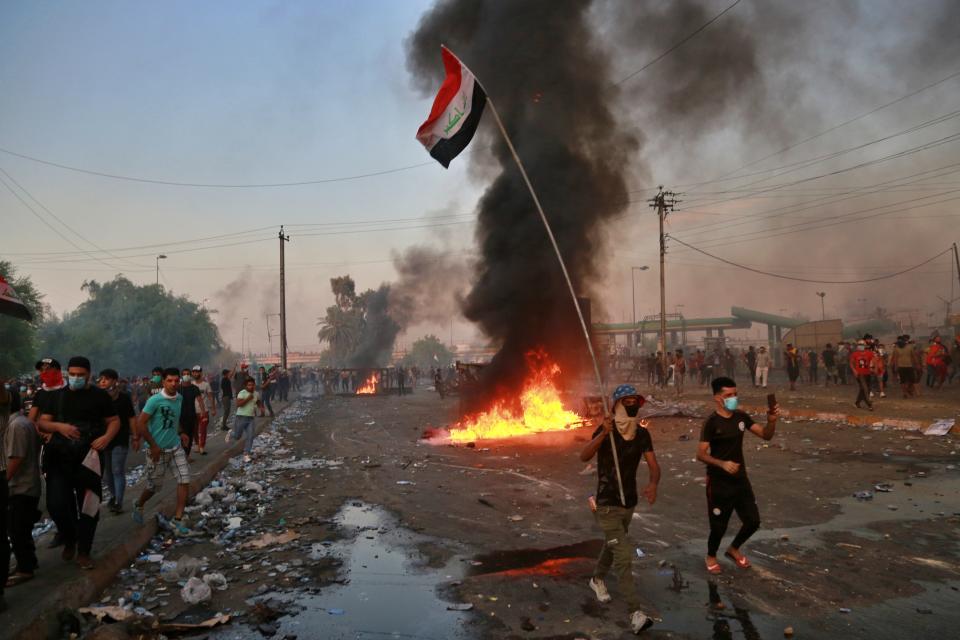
863	495
216	581
195	591
788	632
940	427
269	539
884	487
516	518
486	503
117	614
640	553
405	482
466	606
844	610
336	612
234	523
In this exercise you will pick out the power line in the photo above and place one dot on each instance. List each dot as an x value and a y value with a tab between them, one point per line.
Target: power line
784	277
204	185
842	124
677	45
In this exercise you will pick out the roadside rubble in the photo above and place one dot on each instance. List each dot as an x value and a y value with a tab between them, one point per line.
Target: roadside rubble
168	591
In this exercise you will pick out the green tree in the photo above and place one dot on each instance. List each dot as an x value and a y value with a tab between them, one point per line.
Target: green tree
132	328
428	352
341	329
18	338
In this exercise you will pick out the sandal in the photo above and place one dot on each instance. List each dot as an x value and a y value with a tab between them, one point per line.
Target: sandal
741	562
85	562
714	569
18	578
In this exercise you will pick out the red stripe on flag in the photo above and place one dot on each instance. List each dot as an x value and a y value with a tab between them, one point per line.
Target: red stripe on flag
449	89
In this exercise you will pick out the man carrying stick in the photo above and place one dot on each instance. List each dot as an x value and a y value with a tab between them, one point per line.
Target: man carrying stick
728	488
633	442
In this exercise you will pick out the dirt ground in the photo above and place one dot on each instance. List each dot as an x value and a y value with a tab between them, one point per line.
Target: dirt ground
505	528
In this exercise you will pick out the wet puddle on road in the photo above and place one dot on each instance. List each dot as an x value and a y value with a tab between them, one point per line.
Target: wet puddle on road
387	590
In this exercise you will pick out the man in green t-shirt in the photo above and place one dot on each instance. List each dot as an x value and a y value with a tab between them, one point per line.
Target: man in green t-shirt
247	401
158	425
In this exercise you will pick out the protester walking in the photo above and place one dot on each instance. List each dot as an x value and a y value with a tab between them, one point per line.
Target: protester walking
861	363
792	363
243	422
226	397
21	446
206	408
83	421
633	443
115	463
158	426
728	487
763	367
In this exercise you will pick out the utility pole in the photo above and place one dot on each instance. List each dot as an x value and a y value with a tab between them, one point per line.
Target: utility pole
664	202
163	257
956	259
823	310
283	302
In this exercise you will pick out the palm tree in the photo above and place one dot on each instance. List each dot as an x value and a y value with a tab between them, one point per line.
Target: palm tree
341	330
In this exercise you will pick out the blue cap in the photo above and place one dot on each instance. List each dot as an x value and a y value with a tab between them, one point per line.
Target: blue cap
624	391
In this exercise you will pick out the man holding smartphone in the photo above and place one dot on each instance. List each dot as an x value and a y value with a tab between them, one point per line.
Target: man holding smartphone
728	488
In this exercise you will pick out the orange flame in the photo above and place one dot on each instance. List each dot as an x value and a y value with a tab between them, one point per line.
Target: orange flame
541	409
370	386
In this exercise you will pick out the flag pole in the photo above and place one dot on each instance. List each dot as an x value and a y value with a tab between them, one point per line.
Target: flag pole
573	294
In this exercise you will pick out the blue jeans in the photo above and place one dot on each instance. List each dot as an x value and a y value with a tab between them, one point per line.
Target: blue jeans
243	428
115	472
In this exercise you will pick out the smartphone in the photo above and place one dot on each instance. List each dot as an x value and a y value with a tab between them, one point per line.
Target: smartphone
771	400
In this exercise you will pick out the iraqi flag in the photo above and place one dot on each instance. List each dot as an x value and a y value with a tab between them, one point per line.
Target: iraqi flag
455	114
10	304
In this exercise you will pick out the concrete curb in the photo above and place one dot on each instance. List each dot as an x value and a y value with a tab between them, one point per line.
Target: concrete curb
41	621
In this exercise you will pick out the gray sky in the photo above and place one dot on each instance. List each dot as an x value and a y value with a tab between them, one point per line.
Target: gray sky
277	92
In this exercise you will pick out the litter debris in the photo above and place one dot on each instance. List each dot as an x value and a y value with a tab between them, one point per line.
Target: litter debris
195	591
844	610
788	632
884	487
940	427
234	523
405	482
863	495
117	614
466	606
336	612
640	553
516	518
486	503
216	581
269	539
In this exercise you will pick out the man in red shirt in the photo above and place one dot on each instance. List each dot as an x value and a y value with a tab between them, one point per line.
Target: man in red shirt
861	363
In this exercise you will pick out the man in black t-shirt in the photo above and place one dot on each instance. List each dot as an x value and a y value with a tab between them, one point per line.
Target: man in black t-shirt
115	465
728	488
190	411
83	421
614	511
830	365
226	395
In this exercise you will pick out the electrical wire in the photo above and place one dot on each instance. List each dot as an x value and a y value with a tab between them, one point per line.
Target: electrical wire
205	185
677	45
785	277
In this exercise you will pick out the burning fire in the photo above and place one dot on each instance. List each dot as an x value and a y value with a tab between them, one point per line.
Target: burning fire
370	386
541	409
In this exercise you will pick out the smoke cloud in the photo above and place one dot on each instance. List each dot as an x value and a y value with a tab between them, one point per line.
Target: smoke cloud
551	82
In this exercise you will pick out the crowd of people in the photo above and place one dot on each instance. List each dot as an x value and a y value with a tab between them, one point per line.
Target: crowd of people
910	363
66	436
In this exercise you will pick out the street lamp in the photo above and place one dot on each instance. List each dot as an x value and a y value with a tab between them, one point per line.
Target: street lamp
159	258
633	295
823	312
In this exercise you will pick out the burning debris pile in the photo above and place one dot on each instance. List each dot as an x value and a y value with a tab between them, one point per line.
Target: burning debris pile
538	409
369	387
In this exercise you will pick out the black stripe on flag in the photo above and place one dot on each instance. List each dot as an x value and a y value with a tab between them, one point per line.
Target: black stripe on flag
447	149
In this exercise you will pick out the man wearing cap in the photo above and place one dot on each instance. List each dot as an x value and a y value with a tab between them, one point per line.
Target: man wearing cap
614	511
83	421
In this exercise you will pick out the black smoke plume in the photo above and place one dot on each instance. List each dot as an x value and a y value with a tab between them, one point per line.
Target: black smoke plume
540	64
